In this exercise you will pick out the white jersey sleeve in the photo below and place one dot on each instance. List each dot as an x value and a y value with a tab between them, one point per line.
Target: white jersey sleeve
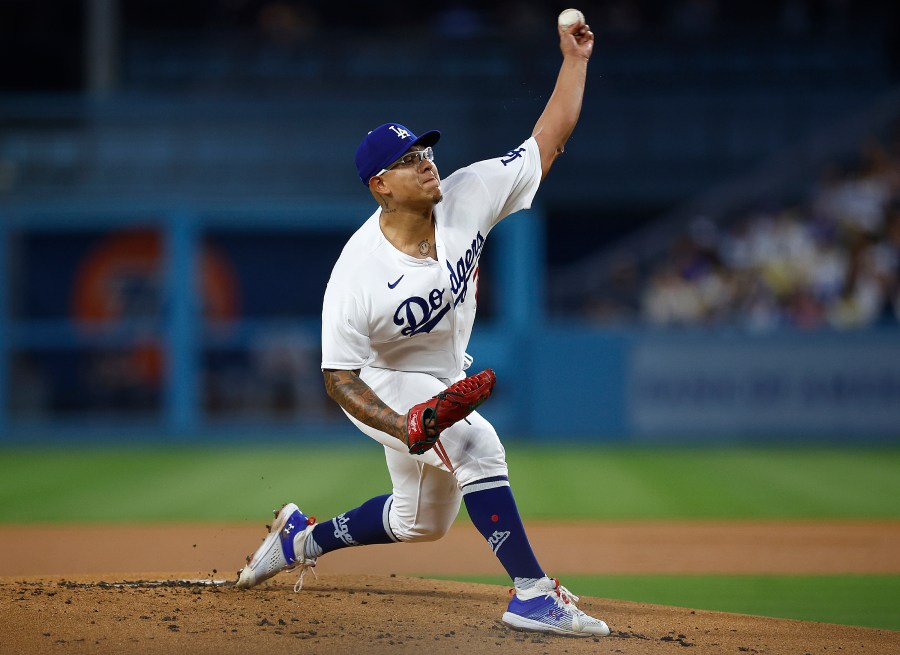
345	339
506	184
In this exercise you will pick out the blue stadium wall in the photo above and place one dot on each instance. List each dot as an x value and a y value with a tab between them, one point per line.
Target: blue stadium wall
69	362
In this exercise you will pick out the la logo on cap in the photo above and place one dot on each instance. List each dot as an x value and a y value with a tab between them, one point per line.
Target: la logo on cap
399	131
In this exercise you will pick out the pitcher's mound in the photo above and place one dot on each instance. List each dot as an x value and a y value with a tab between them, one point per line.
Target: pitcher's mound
361	615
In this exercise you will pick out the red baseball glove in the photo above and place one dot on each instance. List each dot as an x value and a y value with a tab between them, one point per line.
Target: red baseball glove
426	421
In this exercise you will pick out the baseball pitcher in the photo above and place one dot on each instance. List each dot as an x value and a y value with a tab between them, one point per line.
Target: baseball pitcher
397	317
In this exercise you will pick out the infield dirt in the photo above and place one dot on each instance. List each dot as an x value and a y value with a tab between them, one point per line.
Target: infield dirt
80	589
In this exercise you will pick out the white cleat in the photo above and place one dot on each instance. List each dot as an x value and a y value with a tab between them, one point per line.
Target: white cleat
279	551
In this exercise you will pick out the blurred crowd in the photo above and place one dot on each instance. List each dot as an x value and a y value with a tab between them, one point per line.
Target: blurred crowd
831	259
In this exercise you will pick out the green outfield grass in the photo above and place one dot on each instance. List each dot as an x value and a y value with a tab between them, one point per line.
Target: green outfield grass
866	600
566	481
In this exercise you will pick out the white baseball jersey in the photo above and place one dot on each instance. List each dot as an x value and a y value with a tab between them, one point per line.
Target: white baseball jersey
388	310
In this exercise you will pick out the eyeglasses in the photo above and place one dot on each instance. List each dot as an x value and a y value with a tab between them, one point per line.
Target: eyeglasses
413	157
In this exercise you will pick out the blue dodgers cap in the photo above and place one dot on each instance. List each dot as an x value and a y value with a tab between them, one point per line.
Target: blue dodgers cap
386	144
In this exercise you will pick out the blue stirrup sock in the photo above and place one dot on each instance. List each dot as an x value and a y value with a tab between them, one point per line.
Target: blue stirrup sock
493	510
367	524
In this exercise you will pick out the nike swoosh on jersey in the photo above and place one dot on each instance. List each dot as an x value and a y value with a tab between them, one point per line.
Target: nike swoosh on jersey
391	286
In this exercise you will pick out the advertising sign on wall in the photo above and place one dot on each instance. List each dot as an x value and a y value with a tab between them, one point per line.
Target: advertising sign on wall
797	386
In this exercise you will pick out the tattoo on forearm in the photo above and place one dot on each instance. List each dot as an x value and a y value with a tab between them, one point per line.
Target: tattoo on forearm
357	397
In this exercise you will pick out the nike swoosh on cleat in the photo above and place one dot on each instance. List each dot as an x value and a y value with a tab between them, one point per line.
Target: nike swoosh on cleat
391	286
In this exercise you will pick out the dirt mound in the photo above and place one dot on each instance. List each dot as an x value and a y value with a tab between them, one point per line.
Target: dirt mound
366	614
366	600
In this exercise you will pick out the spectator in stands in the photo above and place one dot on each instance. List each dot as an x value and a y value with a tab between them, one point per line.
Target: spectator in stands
834	261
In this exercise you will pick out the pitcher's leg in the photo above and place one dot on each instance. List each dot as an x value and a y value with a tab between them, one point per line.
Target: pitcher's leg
494	513
426	499
366	524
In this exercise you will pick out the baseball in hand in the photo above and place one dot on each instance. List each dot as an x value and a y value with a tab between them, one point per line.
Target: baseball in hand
569	17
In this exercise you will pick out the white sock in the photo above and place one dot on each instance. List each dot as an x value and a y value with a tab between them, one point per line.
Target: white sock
311	550
525	583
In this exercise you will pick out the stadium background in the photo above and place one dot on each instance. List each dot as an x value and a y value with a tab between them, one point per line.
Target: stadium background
714	262
701	263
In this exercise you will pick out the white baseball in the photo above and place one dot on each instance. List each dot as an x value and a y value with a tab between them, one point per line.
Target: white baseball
569	17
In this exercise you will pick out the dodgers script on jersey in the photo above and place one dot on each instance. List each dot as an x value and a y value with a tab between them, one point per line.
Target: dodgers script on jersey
386	309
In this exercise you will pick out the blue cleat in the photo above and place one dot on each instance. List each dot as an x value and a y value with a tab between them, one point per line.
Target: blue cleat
550	607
